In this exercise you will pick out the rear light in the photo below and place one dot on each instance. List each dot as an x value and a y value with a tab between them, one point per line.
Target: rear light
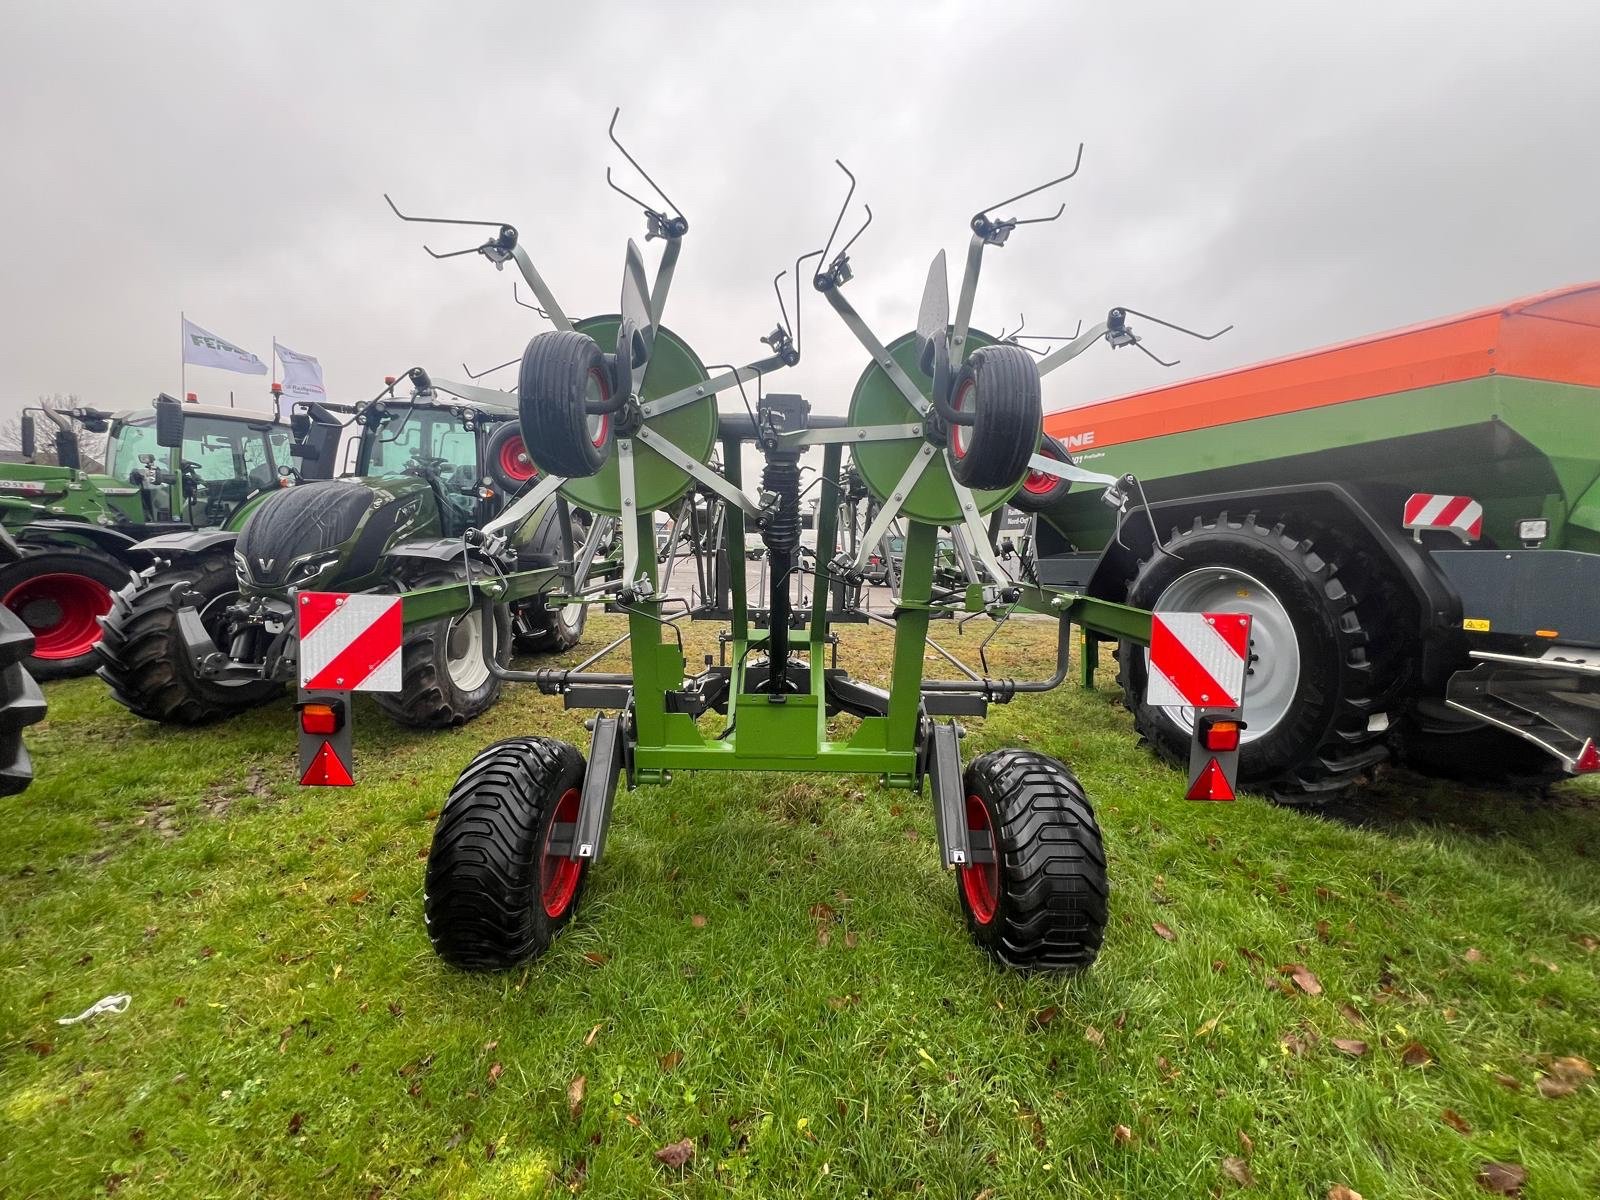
1588	759
875	561
191	397
323	719
1220	734
1533	531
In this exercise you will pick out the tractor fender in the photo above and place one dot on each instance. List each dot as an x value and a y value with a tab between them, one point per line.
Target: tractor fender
57	532
186	544
430	550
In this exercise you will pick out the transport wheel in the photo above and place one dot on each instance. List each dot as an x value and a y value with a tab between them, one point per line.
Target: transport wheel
445	680
538	628
496	893
142	656
21	704
1042	903
1311	687
61	596
999	386
1040	491
507	460
562	371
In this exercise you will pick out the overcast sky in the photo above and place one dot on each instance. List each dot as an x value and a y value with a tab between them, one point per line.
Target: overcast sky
1307	172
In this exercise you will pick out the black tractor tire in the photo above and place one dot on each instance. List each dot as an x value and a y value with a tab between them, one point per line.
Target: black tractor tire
1042	904
60	594
507	461
21	703
538	628
1482	756
561	372
494	896
1324	743
999	386
1041	492
444	680
142	657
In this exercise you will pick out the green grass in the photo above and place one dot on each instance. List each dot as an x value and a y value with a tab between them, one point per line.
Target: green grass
292	1034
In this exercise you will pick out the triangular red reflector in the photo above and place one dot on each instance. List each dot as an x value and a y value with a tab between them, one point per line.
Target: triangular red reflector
1588	759
327	770
1210	784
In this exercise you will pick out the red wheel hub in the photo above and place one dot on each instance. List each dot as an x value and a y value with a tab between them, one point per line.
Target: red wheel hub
961	434
60	609
558	874
600	426
1038	483
515	462
980	883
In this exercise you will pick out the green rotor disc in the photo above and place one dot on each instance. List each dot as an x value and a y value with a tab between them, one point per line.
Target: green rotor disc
692	428
876	401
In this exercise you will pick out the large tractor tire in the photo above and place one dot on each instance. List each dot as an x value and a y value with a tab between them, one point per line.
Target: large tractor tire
537	627
1481	756
21	704
1312	688
496	894
142	655
445	680
61	594
1042	903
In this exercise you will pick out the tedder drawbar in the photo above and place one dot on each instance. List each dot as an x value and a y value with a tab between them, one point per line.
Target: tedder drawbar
943	425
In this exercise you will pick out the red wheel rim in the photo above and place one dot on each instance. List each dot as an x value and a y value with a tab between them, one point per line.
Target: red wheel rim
601	426
1038	483
960	433
558	874
515	464
60	610
980	883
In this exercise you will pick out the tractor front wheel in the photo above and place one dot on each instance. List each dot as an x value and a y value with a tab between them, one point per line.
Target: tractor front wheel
500	885
61	595
1038	899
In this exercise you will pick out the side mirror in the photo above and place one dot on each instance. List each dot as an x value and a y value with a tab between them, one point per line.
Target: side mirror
29	445
67	450
169	422
299	425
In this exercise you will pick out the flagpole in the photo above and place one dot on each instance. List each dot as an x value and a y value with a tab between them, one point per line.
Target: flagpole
183	361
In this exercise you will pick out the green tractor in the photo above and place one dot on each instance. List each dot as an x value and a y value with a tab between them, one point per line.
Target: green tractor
171	467
210	630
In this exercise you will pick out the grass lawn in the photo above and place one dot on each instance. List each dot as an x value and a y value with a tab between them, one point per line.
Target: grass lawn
776	969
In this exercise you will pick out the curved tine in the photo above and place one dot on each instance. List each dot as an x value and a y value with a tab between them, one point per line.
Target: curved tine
1204	337
1042	220
710	367
629	195
449	253
984	212
480	374
1022	321
844	249
439	220
797	316
843	208
783	310
1055	337
1156	357
611	132
525	304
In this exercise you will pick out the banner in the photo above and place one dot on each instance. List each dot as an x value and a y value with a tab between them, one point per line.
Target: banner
302	375
202	349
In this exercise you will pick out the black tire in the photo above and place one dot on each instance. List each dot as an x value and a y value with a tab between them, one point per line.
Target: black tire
492	898
1041	492
444	681
1323	743
142	657
538	628
21	704
1482	756
1043	903
561	371
60	595
507	461
999	385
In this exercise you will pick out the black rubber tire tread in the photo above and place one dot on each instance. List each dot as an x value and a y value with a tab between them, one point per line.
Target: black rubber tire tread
1008	414
141	654
511	430
1482	756
1323	747
65	560
21	704
553	389
1054	894
535	628
428	698
481	895
1032	502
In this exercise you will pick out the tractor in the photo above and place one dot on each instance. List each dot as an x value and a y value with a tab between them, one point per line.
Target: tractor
21	702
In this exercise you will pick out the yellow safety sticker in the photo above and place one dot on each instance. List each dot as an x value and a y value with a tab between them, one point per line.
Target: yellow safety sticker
1475	625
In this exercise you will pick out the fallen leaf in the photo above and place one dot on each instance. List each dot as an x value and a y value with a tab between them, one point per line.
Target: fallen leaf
491	1047
595	959
1503	1179
1093	1036
1456	1121
1122	1135
1354	1047
1323	934
1473	955
1163	932
1246	1143
575	1091
1571	1069
1121	1021
360	897
1294	1044
41	1048
1303	978
1351	1014
676	1155
1553	1089
1415	1054
822	912
495	1072
699	922
593	1033
1043	1017
1207	1027
851	939
1250	955
295	1121
1509	1082
1238	1170
671	1059
824	936
1339	1192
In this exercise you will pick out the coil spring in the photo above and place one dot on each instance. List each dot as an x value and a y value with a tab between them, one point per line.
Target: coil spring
782	532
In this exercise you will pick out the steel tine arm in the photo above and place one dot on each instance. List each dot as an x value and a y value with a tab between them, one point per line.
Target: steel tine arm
525	505
890	510
697	470
663	283
1065	354
978	532
880	354
473	392
712	386
628	485
969	292
541	290
1071	472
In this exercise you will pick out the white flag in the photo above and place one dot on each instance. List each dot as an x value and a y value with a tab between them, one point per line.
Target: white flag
302	374
202	349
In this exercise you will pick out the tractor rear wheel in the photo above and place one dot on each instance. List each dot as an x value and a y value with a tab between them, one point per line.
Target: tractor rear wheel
1041	904
499	888
142	655
21	704
999	387
536	627
445	679
61	594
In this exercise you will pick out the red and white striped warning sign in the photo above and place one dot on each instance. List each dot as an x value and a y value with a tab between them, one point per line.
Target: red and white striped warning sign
349	642
1198	660
1461	515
